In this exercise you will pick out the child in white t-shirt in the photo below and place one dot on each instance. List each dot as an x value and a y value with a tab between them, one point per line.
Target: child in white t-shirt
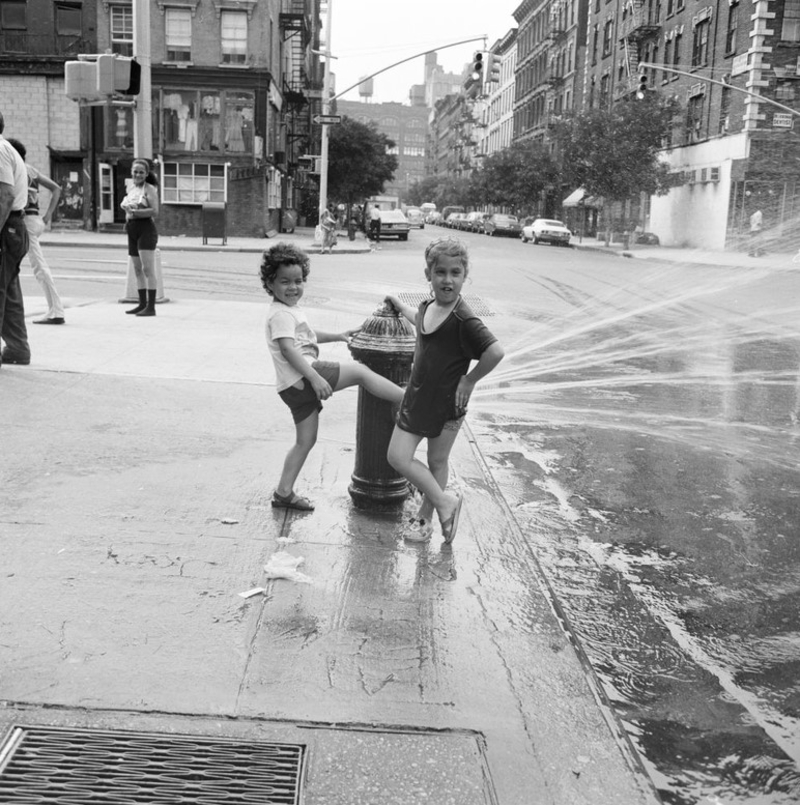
303	381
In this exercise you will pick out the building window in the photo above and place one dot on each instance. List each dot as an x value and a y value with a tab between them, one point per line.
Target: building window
604	81
192	183
694	118
68	19
667	59
13	15
700	44
669	7
178	34
413	151
122	30
724	110
608	29
733	22
790	31
595	41
233	28
676	50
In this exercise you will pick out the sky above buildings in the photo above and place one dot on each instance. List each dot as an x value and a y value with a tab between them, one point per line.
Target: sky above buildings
368	35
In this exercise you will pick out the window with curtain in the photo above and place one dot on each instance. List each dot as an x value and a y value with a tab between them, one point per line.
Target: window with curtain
733	24
178	34
790	30
233	32
121	20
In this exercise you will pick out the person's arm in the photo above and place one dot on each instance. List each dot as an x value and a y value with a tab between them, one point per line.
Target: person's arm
55	195
402	308
491	356
328	338
294	357
6	202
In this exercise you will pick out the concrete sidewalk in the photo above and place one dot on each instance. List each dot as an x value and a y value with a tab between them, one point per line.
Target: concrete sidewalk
139	460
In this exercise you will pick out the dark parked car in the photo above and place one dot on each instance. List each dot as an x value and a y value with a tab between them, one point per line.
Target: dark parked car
473	222
498	224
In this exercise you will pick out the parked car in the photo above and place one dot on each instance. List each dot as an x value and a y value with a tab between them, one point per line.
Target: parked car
416	218
546	230
499	224
473	222
448	211
646	239
394	225
434	217
453	221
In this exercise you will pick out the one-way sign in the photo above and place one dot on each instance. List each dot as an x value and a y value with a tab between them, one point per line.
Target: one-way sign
327	119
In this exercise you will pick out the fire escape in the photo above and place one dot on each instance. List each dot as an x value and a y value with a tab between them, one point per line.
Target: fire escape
639	23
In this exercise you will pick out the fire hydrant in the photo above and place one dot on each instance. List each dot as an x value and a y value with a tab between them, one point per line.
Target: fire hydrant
385	344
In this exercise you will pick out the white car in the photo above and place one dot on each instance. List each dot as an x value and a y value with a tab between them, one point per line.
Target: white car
546	230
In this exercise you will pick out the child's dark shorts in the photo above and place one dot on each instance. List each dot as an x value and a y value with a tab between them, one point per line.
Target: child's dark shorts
303	402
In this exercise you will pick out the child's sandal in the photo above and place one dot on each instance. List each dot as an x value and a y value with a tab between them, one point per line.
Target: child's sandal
293	501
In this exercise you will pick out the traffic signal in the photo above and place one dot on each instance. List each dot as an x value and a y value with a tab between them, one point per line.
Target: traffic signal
641	90
97	80
118	75
492	69
477	65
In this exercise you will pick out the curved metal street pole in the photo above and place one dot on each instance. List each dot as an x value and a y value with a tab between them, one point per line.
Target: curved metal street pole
326	107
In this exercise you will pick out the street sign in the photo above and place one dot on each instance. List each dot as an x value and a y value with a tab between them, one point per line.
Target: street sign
326	120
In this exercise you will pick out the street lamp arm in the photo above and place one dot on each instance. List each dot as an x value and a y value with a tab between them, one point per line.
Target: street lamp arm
403	61
698	77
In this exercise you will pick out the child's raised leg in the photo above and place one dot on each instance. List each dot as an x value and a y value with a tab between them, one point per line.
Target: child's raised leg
400	455
357	374
305	439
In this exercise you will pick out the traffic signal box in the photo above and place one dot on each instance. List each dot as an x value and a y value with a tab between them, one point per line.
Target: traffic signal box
641	90
99	80
477	66
492	69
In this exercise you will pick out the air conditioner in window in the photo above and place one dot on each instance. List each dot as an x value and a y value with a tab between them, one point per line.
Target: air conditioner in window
703	174
713	174
690	177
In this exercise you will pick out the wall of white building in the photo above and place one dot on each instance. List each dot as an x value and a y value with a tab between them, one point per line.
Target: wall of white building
695	213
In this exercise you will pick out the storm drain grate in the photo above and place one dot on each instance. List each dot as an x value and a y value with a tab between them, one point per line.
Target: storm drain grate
479	307
79	767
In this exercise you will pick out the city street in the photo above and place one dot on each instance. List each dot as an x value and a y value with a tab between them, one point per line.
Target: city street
641	436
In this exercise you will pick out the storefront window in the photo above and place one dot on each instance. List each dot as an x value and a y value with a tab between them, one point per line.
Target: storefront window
119	127
239	117
191	183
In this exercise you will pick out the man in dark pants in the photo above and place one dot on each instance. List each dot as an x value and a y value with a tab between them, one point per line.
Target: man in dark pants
375	226
13	247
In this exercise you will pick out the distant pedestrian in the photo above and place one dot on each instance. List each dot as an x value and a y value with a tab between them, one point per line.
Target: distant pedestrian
36	223
756	244
13	247
141	209
449	337
375	225
303	381
328	223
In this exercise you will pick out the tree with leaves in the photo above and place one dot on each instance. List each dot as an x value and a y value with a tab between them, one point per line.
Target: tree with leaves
616	153
515	177
359	162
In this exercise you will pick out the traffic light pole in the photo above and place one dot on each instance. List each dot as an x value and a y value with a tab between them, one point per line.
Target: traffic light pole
143	108
643	65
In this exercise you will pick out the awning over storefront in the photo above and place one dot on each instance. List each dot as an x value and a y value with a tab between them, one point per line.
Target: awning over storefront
574	198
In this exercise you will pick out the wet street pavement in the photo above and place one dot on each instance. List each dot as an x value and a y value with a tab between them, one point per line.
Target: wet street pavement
633	462
644	431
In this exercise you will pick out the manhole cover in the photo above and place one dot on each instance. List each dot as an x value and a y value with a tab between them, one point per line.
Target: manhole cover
80	767
479	307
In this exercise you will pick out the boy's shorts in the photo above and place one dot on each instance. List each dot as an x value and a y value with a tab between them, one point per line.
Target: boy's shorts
303	402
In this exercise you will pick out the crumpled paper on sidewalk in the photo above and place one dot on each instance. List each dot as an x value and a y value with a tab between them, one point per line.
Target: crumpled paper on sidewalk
283	565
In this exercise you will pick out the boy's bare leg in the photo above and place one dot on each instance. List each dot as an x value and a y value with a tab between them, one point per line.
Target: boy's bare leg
305	439
356	374
400	455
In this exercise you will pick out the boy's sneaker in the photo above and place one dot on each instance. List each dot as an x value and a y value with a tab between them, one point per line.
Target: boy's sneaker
418	530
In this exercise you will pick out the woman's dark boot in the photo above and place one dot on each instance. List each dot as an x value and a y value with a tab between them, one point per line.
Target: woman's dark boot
150	309
142	302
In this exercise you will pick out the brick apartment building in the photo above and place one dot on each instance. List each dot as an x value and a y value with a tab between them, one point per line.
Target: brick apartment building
234	88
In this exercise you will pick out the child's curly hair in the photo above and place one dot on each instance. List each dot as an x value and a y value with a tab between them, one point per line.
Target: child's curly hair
446	246
282	254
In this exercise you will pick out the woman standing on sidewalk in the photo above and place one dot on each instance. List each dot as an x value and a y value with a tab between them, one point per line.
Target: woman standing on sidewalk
141	208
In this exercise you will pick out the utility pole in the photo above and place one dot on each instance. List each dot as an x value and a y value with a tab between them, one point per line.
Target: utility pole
326	108
143	108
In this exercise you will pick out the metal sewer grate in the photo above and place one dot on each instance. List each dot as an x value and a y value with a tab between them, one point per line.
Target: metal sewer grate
83	767
479	307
